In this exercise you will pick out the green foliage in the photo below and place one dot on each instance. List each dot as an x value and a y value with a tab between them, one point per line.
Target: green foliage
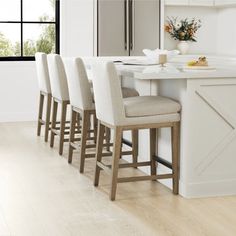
17	49
46	41
29	48
6	48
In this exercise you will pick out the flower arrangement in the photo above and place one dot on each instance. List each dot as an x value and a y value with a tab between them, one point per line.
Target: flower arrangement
183	30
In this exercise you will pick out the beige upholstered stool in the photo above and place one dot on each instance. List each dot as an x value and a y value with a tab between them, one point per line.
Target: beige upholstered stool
148	112
45	92
81	99
126	93
60	95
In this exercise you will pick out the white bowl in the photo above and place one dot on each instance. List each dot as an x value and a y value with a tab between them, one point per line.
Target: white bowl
153	55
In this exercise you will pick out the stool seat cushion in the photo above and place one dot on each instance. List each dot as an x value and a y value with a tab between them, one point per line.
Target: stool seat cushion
129	92
150	106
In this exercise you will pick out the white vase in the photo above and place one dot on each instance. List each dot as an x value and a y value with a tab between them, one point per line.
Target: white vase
183	47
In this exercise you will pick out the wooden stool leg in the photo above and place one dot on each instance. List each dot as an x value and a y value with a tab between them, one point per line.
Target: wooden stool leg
40	114
98	157
153	143
53	124
115	161
84	134
72	134
108	138
135	146
175	156
48	114
62	127
95	127
78	122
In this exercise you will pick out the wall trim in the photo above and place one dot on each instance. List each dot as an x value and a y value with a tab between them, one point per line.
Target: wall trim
208	189
18	117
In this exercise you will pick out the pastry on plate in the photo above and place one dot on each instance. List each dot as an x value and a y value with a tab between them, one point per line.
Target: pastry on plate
202	61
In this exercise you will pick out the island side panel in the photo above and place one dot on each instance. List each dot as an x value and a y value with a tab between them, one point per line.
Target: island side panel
210	142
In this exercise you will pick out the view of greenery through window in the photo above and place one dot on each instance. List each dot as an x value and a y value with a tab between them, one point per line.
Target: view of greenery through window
45	41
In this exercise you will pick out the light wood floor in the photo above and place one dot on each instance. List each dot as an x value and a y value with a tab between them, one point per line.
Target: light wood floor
42	195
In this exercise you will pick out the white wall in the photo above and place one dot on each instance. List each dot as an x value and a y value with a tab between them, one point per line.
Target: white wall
207	34
18	91
226	38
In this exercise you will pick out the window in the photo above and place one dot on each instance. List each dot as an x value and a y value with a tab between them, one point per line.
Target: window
27	27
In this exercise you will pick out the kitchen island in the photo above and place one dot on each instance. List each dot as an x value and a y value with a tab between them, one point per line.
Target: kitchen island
208	121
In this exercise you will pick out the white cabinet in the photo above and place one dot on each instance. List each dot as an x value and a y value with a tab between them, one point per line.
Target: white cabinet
208	3
225	3
77	33
176	2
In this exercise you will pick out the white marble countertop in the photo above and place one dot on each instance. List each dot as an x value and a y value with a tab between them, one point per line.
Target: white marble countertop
223	67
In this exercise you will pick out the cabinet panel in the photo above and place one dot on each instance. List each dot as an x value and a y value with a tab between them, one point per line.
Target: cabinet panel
177	2
146	26
201	2
225	3
111	27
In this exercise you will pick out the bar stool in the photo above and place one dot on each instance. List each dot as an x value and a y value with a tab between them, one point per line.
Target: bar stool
144	112
81	99
45	91
60	95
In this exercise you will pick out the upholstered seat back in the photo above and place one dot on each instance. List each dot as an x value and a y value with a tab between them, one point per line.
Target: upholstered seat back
107	93
42	72
57	77
78	84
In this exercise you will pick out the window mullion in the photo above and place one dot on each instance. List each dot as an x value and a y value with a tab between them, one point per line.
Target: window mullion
21	27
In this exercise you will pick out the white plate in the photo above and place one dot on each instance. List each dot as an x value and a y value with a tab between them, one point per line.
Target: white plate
138	62
199	68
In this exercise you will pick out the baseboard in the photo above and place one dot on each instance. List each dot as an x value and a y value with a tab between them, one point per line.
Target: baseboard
202	189
17	117
208	189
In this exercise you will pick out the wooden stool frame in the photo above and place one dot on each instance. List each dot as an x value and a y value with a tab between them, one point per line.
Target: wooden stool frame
86	116
41	121
113	169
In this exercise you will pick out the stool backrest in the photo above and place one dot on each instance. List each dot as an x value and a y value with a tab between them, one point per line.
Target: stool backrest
42	72
107	93
57	77
78	84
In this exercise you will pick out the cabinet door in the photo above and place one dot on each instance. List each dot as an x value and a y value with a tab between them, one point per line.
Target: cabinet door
225	3
146	24
176	2
201	2
111	28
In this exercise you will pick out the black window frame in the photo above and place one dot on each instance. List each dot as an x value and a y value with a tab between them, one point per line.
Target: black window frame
22	22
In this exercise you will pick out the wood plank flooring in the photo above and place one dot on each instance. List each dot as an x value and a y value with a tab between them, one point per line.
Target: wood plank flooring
42	195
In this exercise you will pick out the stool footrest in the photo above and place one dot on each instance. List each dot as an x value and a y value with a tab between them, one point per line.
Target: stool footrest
127	142
126	153
129	165
104	167
163	162
90	155
143	178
